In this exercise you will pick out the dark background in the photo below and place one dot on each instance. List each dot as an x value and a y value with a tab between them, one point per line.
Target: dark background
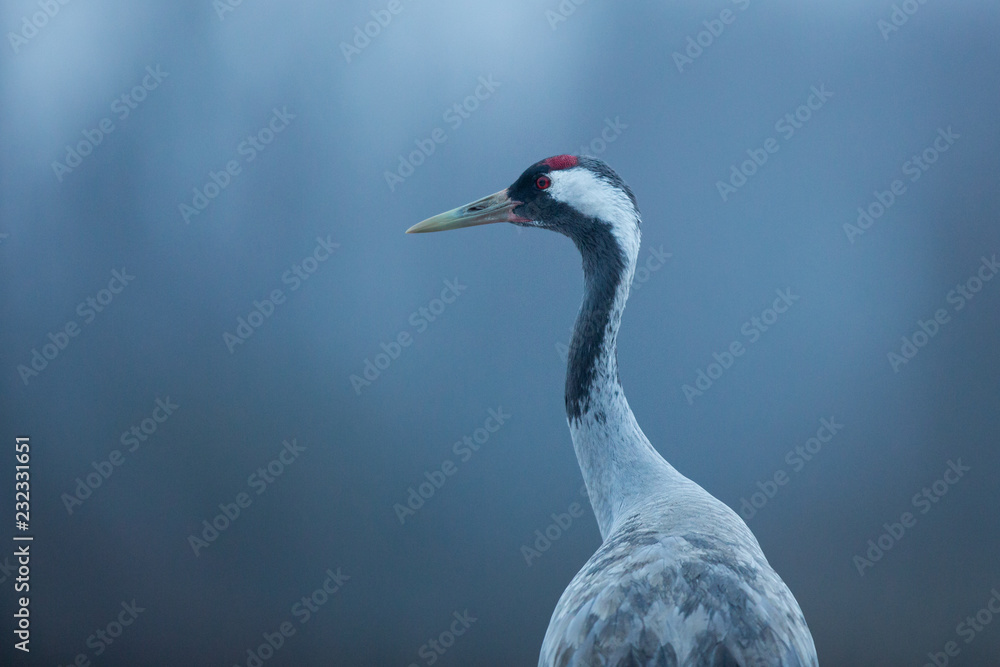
557	84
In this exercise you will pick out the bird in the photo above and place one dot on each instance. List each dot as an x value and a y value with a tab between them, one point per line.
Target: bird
679	579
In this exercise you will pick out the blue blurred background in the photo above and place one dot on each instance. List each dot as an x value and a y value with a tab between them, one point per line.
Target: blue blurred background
212	153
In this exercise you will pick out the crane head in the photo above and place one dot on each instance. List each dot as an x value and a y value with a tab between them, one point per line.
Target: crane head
566	193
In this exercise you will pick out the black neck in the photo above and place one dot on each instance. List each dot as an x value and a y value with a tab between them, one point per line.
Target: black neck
592	353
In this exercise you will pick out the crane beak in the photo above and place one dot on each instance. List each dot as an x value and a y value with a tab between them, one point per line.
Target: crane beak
495	208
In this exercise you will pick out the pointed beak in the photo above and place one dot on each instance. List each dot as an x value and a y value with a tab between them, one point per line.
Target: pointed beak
495	208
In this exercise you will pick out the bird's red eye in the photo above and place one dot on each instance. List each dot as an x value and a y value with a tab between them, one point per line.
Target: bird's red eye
543	182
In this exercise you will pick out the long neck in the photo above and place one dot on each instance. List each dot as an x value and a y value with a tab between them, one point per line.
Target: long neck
620	467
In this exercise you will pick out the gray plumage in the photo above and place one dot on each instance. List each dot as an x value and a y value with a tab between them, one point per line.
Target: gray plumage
666	590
